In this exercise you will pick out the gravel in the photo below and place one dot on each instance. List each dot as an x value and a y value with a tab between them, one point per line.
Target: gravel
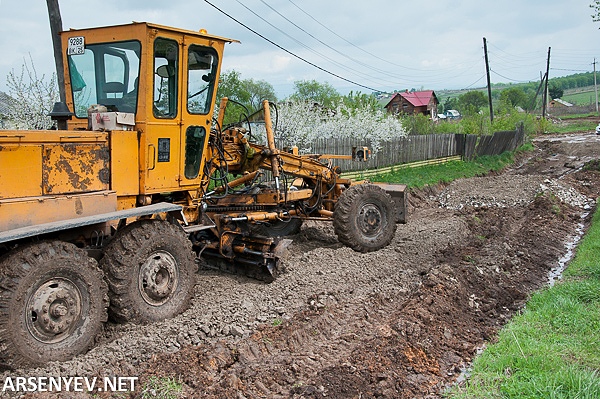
508	190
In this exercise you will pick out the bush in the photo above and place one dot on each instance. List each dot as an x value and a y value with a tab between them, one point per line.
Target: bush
417	124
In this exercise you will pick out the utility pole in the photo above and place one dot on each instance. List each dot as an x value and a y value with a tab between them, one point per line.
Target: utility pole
545	96
489	84
595	86
537	91
60	113
55	28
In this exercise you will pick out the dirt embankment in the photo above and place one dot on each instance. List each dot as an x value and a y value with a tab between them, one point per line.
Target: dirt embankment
398	323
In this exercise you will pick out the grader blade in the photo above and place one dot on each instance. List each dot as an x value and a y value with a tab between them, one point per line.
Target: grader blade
254	257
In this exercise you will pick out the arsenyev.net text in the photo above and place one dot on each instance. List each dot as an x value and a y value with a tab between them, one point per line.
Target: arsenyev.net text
69	384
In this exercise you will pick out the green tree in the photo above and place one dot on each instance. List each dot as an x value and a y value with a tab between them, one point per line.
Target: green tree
231	86
471	102
511	98
450	103
258	91
249	93
311	90
555	91
360	100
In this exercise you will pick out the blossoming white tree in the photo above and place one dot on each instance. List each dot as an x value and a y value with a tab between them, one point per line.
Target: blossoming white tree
300	123
32	98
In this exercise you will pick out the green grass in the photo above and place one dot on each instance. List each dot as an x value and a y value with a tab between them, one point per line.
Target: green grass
578	126
162	388
576	116
551	349
583	98
434	174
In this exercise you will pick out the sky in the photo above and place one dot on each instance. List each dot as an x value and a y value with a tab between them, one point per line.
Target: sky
360	46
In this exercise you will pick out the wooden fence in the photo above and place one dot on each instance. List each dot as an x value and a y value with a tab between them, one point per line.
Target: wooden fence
416	148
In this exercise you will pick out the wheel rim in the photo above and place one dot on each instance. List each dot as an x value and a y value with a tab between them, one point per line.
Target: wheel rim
158	278
54	310
370	220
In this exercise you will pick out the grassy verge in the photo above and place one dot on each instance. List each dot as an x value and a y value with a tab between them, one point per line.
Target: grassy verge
551	349
579	126
444	173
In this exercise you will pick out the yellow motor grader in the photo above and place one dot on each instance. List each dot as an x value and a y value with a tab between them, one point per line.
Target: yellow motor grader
112	215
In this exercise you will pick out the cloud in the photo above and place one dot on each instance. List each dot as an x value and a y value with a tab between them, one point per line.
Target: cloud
385	44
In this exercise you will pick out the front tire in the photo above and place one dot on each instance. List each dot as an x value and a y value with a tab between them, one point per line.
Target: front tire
53	303
150	269
364	218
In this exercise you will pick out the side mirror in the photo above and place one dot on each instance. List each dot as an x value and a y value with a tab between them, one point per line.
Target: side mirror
164	71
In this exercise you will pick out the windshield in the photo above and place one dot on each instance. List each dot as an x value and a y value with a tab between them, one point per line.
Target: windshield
106	74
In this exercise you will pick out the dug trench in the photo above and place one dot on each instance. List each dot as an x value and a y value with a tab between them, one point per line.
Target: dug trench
402	322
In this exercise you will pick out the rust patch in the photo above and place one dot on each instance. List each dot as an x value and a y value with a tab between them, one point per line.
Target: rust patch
78	206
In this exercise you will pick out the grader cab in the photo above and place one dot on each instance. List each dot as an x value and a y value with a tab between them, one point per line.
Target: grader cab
111	216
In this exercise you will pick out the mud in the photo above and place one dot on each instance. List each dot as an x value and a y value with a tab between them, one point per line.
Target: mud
398	323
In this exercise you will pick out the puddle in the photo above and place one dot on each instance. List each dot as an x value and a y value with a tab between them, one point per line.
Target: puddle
556	273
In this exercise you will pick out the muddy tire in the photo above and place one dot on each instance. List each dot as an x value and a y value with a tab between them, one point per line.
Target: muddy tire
363	218
150	269
53	303
278	228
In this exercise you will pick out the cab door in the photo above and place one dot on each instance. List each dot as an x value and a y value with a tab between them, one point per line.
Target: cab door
201	70
161	158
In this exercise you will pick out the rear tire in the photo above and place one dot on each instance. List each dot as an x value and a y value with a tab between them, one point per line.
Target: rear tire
364	218
150	269
53	303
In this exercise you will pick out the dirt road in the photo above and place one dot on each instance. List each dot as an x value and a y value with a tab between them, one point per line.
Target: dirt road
398	323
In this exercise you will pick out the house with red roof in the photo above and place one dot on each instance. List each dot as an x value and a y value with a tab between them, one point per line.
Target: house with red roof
414	102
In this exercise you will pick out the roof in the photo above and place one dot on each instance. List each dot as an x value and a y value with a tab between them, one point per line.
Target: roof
416	98
200	33
563	102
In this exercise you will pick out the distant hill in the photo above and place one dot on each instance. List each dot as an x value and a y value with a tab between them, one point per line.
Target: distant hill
578	88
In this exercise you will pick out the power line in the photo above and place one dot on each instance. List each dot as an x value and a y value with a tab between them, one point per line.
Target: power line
350	43
570	70
473	84
330	47
288	51
342	66
512	80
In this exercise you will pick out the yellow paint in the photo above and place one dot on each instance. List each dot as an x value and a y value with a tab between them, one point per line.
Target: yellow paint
124	163
19	178
22	212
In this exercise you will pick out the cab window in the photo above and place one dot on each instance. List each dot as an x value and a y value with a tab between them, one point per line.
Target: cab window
202	71
195	136
105	74
166	54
